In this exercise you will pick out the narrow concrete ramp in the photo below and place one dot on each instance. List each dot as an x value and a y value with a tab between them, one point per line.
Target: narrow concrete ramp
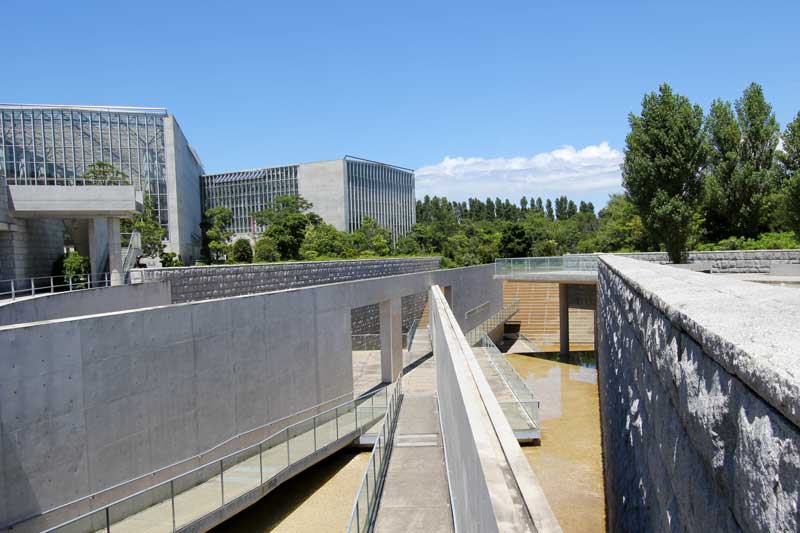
415	495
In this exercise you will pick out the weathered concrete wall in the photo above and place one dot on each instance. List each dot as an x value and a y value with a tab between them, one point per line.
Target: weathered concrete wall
90	402
191	284
730	261
699	398
84	302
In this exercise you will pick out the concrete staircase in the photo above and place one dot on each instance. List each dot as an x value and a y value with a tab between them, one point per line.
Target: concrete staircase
538	316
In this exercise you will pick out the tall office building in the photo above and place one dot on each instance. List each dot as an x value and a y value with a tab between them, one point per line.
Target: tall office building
55	145
343	192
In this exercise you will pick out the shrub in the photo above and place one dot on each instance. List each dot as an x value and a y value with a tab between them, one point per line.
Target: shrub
75	265
266	251
242	251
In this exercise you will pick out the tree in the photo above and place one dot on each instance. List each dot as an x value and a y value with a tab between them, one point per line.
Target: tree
286	222
75	266
241	251
324	240
149	228
102	173
549	209
664	157
266	251
514	241
789	173
738	177
217	221
372	238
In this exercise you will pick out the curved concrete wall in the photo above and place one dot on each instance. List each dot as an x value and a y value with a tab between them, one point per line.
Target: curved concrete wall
699	395
90	402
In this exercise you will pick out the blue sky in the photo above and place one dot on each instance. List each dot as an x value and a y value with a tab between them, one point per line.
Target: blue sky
484	98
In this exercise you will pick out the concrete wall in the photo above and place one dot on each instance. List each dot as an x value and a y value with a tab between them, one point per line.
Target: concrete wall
698	390
366	320
323	184
90	402
492	486
199	283
84	302
183	193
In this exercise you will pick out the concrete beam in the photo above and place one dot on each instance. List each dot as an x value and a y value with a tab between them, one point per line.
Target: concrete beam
35	201
391	318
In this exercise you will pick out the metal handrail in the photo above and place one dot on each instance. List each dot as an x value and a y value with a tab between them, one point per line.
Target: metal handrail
509	309
23	287
101	518
362	520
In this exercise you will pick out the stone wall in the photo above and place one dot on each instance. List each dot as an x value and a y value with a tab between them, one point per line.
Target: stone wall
730	261
191	284
699	400
366	320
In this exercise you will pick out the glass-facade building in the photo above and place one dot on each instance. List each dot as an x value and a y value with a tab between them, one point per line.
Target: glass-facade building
247	192
382	192
343	192
55	145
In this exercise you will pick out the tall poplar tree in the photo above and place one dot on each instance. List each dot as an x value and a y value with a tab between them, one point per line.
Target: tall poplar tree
664	156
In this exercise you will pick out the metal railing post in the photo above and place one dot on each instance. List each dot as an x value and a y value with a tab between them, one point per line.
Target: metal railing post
288	456
314	420
52	287
33	287
172	497
70	283
108	521
222	483
260	463
13	296
337	423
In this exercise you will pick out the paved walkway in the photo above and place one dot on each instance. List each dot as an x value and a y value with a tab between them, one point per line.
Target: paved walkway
415	495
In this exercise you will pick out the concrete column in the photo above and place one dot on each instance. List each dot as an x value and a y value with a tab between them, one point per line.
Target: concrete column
391	316
563	317
114	251
98	246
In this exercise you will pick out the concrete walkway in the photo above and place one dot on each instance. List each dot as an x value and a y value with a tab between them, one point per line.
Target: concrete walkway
415	495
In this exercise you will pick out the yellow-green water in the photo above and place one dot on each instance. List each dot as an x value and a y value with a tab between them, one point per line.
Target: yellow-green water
569	462
319	499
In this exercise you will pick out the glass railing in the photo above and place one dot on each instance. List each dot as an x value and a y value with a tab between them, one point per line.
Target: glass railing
509	309
189	497
531	265
365	507
526	405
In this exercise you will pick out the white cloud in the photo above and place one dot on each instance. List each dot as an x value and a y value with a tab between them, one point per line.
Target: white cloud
590	173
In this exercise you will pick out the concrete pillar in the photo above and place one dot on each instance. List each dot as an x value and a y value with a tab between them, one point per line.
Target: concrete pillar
391	316
98	246
114	251
563	317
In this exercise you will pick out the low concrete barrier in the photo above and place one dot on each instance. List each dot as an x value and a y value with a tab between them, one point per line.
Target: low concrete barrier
84	302
699	395
730	261
492	486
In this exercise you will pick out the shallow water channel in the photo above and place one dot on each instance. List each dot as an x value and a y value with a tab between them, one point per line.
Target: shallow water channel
569	462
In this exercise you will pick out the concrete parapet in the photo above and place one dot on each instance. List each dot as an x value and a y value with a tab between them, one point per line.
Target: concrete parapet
729	261
492	486
699	390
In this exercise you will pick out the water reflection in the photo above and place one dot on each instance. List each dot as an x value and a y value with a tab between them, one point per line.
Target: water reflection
569	461
319	499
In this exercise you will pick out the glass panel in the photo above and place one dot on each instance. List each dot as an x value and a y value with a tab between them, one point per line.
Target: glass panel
197	494
301	440
326	428
347	419
149	510
242	473
274	456
88	524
